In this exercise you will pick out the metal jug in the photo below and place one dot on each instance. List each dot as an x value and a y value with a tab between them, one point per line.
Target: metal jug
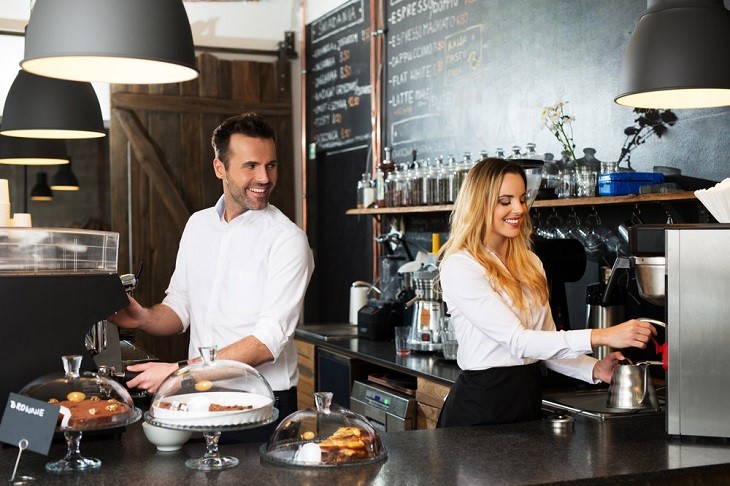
632	387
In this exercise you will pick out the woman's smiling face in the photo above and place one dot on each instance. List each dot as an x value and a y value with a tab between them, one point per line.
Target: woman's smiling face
510	209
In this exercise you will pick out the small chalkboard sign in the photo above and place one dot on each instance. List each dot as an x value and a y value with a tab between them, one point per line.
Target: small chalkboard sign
29	419
338	79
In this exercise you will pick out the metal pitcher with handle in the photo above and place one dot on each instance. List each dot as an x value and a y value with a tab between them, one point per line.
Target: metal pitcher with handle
632	387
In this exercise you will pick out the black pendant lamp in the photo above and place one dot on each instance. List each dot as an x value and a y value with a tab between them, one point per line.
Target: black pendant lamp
32	151
64	179
41	191
678	56
42	107
114	41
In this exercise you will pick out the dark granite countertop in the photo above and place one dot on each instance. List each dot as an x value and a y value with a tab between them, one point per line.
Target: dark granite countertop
423	364
525	453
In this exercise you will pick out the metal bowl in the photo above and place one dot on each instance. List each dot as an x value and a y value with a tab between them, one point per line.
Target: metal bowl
650	278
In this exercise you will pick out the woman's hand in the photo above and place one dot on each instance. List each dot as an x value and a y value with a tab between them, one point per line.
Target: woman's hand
633	333
151	375
603	370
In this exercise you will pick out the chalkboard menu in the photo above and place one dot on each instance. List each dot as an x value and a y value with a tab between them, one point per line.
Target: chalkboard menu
433	69
338	79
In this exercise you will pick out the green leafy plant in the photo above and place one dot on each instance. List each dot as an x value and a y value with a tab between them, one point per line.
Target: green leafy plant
649	123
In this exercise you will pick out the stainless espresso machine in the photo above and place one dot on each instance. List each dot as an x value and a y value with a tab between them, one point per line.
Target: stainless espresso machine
56	287
686	268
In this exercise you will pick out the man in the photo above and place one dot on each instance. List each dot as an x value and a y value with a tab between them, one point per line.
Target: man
241	272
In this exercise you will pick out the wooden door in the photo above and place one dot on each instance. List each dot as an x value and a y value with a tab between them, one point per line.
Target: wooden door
160	149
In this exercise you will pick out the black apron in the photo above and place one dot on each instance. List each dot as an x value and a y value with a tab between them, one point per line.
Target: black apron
493	396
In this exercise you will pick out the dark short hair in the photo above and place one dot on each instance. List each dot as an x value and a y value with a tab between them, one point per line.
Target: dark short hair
248	124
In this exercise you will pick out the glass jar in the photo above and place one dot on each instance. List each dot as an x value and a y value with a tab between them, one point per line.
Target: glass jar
531	153
416	184
425	183
551	173
402	188
391	194
462	169
589	160
609	167
386	167
365	191
431	193
435	175
566	162
451	189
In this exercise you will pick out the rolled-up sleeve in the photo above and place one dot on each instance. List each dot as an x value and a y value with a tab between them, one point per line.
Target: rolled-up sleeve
176	297
290	267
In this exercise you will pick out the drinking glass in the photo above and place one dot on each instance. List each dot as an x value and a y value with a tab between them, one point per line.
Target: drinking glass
402	333
566	184
586	182
553	222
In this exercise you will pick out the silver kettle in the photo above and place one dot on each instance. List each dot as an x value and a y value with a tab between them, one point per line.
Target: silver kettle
631	386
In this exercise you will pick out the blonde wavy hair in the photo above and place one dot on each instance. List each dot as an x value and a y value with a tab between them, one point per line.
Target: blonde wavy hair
471	222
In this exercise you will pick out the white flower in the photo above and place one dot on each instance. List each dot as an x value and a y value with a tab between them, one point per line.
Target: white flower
555	119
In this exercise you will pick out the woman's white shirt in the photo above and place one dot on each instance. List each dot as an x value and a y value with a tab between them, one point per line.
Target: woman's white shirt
492	332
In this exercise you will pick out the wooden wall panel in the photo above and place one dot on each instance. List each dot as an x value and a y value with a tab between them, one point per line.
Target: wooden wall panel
171	165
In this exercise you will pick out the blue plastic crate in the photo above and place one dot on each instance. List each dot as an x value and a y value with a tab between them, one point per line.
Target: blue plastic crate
622	183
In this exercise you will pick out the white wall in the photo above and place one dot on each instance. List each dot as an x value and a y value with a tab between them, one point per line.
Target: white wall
230	24
317	8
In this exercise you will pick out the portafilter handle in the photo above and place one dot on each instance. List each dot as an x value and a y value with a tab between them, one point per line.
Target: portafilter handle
621	262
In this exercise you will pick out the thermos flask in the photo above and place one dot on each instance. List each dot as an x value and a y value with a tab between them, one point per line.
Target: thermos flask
358	298
601	315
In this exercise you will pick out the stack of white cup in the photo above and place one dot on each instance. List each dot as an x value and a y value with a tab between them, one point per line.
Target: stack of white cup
4	203
21	220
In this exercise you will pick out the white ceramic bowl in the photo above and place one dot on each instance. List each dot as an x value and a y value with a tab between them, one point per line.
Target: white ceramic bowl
166	440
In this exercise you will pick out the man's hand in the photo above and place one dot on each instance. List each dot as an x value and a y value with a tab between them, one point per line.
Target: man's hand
151	375
130	317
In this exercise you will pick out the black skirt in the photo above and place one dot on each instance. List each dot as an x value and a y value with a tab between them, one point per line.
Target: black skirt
494	396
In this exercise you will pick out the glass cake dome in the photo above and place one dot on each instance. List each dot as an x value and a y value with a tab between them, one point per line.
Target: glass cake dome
325	436
211	397
88	401
213	394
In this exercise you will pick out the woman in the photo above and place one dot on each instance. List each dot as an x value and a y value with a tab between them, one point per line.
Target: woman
496	291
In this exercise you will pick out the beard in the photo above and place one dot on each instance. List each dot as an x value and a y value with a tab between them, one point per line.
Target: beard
240	196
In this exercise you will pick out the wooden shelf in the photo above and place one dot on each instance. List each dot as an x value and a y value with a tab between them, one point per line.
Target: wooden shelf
545	203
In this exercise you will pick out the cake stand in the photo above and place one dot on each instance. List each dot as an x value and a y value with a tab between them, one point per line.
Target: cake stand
75	386
212	460
73	461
